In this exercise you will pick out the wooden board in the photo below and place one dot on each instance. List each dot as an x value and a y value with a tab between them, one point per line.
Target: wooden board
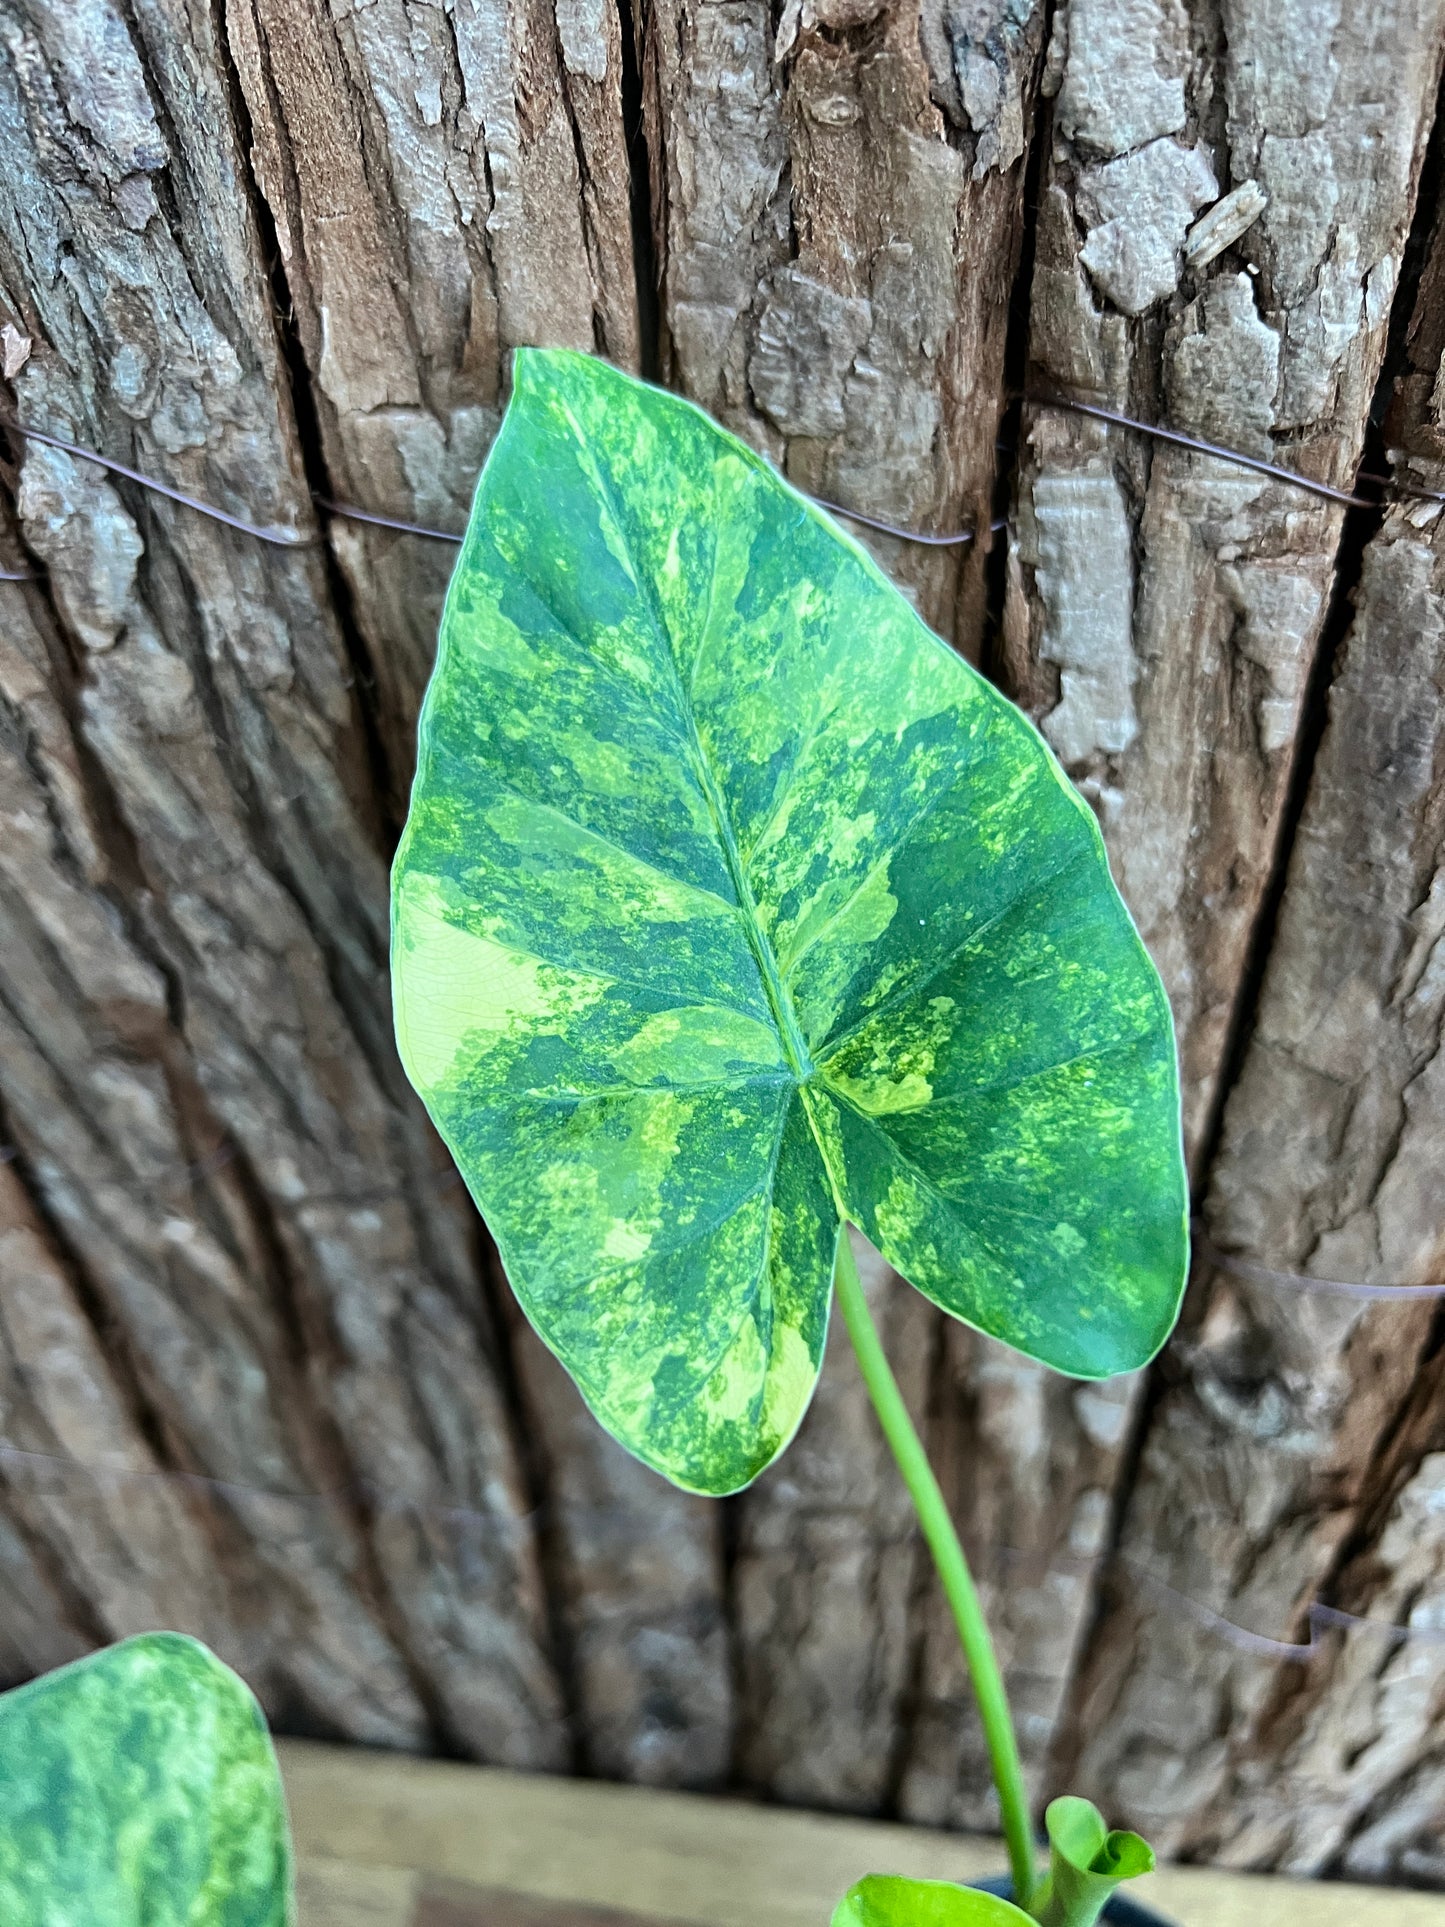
387	1841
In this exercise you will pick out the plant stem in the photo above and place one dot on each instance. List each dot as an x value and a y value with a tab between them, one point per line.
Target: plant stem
958	1586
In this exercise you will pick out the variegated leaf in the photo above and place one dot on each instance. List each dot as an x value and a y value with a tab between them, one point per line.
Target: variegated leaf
138	1788
731	903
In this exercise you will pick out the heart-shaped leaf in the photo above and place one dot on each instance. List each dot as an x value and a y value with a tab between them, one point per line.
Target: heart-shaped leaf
1086	1863
890	1900
733	903
138	1788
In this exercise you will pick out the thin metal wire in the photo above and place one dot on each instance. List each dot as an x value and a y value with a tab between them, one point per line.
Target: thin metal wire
350	514
293	539
1245	1638
1240	1637
1258	1274
1041	398
278	537
1180	440
349	511
905	535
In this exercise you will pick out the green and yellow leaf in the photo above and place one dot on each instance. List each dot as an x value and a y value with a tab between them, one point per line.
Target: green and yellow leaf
891	1900
138	1788
732	904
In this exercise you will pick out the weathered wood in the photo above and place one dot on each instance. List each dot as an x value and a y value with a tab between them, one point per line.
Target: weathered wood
837	191
90	1066
445	184
1295	1450
827	1563
68	1569
198	1068
231	1248
1167	606
1162	612
441	193
485	1838
1028	1461
638	1573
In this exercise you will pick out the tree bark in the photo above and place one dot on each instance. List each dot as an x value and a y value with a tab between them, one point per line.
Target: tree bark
837	195
827	1565
1029	1460
198	1067
444	185
837	191
259	1374
1161	618
1294	1452
1169	606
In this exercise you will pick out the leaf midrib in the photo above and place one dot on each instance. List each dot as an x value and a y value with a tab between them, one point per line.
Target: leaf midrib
780	1004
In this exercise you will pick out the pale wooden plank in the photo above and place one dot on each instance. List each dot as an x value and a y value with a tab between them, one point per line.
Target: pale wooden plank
695	1862
1205	1897
451	1903
338	1893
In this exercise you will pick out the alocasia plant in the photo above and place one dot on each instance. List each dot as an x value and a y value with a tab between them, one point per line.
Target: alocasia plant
734	906
138	1788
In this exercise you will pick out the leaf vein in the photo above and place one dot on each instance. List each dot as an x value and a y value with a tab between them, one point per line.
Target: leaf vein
901	996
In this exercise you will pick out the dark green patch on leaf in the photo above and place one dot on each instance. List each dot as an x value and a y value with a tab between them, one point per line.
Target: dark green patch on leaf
138	1788
732	903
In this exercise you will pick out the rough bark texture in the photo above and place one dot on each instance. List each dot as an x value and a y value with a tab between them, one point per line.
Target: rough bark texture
638	1572
837	192
1217	247
1168	606
826	1567
445	184
258	1374
197	1061
1295	1450
1030	1460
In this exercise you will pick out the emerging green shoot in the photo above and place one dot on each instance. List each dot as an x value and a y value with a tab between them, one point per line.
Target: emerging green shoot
1086	1863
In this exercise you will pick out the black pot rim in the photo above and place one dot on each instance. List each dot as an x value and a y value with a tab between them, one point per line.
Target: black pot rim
1120	1912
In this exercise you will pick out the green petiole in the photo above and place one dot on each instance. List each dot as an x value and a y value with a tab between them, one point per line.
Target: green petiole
958	1586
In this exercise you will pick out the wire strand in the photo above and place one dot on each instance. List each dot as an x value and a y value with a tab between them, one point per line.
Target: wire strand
1178	439
350	514
280	538
1257	1274
950	540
